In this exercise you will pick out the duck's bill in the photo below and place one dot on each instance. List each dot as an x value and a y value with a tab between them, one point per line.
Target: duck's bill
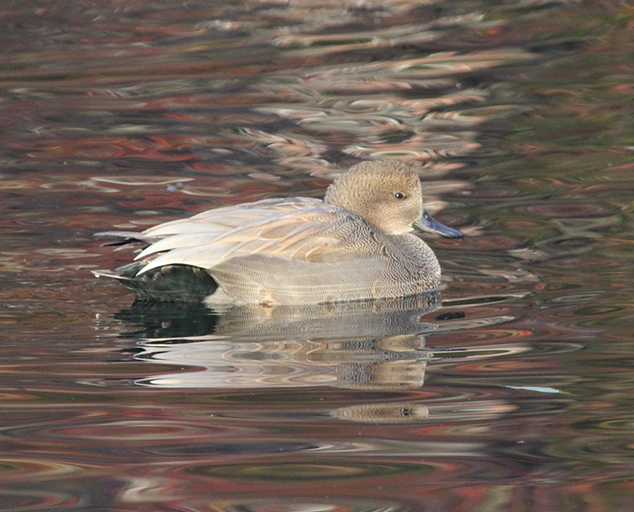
427	223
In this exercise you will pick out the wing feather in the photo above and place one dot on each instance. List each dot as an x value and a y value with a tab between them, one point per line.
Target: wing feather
179	242
313	234
231	217
203	256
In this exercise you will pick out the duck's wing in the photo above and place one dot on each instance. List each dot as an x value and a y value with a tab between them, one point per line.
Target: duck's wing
230	217
317	234
216	221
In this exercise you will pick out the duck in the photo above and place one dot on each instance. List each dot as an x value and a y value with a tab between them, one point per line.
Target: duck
355	244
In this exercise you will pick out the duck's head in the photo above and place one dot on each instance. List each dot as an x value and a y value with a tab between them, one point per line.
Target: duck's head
388	195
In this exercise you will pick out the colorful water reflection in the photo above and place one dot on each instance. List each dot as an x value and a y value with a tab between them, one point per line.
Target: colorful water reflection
514	393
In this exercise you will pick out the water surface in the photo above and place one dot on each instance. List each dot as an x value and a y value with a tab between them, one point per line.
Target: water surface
512	391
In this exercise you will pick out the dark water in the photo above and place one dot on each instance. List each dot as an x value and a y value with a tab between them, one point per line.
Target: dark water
515	393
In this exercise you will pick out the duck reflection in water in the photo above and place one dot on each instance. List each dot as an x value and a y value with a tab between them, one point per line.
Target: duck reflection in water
365	344
372	346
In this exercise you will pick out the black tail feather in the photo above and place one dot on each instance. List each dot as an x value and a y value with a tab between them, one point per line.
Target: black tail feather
171	283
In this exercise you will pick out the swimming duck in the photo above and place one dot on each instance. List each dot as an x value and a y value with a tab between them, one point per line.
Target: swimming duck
356	244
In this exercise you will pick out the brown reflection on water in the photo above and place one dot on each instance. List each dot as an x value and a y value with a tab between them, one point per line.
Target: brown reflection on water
514	395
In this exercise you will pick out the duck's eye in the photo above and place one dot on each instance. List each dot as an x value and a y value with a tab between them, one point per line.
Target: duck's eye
398	195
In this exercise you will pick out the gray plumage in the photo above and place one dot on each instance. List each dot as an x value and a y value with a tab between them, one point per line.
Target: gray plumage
356	244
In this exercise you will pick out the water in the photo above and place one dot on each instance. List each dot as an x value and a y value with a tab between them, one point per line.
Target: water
514	393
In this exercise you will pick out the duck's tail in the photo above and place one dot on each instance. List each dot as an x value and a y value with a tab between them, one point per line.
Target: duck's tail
171	283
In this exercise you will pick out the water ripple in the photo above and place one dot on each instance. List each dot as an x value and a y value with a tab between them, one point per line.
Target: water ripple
16	469
34	500
311	503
